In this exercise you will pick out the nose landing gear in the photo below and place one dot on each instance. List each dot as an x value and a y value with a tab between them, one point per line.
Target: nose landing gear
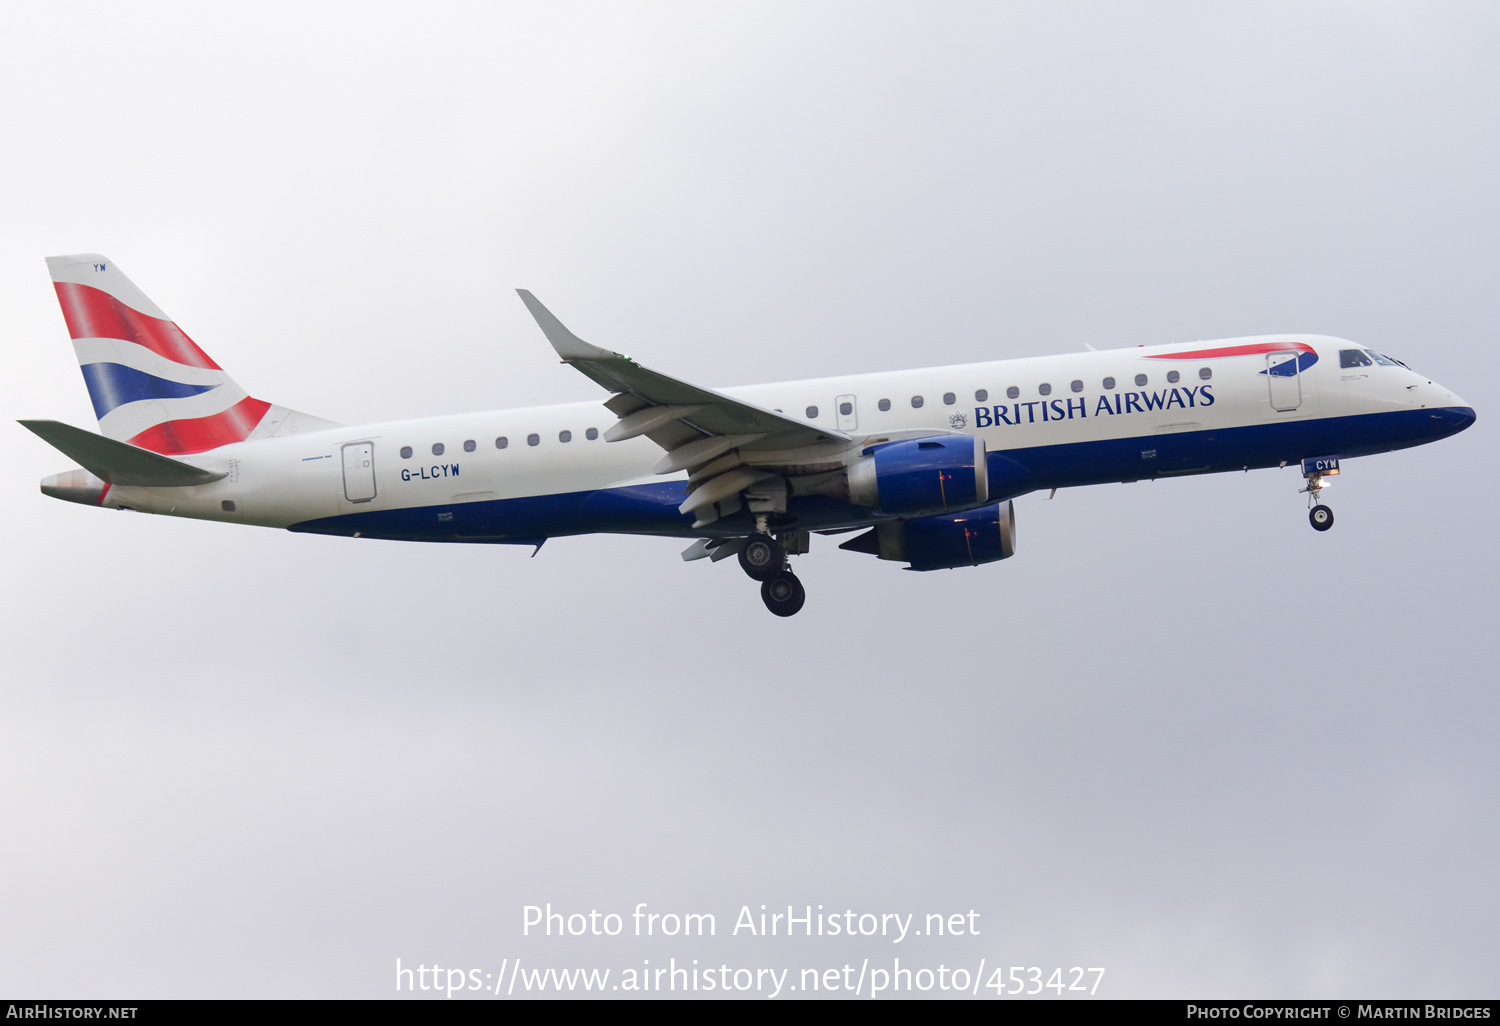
1316	472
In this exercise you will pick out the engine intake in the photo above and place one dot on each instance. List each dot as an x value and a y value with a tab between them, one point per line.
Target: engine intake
921	475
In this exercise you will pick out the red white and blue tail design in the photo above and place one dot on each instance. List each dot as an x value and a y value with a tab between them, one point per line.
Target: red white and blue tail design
150	384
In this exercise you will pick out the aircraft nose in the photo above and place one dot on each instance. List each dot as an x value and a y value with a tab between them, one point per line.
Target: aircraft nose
1454	418
1463	416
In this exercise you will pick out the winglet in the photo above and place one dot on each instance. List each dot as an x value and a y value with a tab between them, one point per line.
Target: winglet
568	345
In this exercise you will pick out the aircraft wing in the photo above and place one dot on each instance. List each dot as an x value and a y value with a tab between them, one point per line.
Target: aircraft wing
711	435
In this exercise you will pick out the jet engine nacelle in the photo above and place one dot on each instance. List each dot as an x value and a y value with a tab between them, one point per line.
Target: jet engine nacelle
944	542
921	475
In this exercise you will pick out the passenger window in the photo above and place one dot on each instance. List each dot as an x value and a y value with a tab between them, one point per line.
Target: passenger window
1173	377
845	409
1384	361
591	434
884	404
949	398
227	505
1012	392
916	402
1077	386
1205	373
1140	379
1044	388
533	439
982	395
565	436
406	452
812	413
469	446
501	442
1109	383
437	448
1353	358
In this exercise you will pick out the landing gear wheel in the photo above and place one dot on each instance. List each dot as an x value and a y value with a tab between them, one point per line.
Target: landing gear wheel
761	558
1321	517
783	594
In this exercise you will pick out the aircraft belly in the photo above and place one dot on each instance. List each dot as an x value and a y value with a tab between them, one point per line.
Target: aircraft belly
1234	448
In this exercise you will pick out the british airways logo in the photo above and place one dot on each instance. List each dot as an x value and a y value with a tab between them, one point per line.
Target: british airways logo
1306	355
1116	405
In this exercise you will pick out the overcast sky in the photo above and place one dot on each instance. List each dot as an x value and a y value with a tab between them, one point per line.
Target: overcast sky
1180	735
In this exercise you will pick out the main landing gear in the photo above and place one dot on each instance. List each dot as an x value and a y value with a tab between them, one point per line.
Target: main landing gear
764	560
783	594
761	557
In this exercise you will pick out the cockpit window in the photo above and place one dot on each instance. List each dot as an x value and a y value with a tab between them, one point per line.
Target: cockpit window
1353	358
1384	361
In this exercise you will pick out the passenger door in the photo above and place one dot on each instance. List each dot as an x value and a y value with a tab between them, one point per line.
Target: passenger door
1284	381
359	472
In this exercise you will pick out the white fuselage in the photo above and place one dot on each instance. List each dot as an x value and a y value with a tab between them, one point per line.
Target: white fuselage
1067	436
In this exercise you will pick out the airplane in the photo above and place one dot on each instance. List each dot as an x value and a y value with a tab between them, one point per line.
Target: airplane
925	464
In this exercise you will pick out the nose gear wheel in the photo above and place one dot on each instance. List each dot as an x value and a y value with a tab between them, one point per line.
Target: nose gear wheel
1319	515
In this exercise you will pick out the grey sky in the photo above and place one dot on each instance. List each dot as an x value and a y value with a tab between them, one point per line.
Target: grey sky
1180	735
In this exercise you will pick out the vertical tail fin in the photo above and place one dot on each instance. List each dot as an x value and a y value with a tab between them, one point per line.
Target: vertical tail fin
150	384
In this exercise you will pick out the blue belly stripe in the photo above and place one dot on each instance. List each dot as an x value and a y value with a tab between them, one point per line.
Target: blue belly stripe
652	508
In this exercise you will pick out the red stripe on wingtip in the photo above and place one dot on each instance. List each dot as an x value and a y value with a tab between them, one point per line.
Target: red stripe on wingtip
200	434
93	313
1248	350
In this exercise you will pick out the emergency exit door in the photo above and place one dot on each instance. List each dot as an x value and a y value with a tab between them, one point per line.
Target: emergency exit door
848	413
359	472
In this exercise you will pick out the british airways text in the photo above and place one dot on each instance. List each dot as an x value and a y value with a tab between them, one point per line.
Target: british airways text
1116	405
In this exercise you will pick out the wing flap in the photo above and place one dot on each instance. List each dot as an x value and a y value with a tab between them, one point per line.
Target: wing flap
646	420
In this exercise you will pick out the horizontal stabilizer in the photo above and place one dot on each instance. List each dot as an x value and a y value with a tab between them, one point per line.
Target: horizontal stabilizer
119	463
